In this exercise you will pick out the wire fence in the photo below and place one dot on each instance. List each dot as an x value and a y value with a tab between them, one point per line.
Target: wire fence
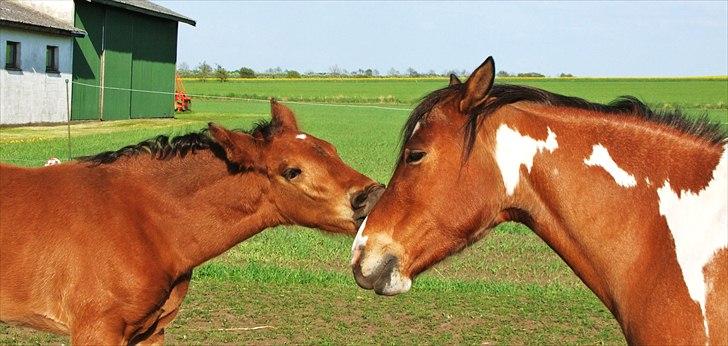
69	154
248	99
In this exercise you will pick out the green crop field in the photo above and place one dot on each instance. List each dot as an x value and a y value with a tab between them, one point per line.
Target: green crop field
295	282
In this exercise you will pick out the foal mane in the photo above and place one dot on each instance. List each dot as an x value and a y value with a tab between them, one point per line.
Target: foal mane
506	94
163	148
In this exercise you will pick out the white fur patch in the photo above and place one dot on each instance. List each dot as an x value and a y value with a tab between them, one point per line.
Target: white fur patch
699	227
301	136
600	157
417	127
397	284
359	241
513	149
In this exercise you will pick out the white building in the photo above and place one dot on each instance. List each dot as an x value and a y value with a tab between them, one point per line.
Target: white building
36	59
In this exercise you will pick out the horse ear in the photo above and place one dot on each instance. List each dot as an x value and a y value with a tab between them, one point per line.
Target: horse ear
478	85
454	80
240	147
283	116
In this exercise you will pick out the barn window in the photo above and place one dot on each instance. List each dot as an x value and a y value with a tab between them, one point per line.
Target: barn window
12	55
51	59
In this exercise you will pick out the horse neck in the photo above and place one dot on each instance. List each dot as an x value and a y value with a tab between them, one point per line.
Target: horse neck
201	208
604	221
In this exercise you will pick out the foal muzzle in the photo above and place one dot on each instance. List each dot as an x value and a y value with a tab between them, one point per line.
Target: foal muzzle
363	202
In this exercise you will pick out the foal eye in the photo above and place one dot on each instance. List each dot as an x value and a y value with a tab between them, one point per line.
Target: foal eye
414	156
291	173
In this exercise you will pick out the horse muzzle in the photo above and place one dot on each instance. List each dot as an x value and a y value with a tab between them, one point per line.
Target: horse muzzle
380	273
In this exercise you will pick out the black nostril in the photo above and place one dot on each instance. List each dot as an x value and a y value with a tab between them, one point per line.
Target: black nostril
359	200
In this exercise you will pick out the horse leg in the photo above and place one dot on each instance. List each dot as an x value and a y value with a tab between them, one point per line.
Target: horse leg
170	310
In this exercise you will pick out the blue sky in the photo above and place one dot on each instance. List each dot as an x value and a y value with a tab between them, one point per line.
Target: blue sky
583	38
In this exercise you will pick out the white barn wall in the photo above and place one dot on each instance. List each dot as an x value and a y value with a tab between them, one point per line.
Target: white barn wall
32	95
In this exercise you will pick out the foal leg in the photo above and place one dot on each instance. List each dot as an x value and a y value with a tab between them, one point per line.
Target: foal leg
98	332
170	310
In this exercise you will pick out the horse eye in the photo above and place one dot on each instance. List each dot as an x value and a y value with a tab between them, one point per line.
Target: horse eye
291	173
414	157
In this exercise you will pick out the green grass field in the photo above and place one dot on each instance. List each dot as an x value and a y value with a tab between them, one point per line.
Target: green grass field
295	282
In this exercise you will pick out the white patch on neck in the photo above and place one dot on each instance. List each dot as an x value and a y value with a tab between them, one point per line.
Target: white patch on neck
647	181
513	150
359	241
301	136
600	157
699	224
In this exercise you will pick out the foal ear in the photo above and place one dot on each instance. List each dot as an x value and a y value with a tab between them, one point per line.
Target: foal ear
240	147
454	80
283	116
478	85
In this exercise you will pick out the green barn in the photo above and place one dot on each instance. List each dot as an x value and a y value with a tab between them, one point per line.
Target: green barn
124	68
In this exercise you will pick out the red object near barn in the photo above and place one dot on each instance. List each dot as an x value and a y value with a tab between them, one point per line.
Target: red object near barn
182	101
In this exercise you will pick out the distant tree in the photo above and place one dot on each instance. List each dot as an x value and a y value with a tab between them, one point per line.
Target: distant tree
530	74
183	70
375	73
447	73
203	71
412	72
292	74
393	72
502	73
431	73
566	75
335	70
221	73
368	72
246	72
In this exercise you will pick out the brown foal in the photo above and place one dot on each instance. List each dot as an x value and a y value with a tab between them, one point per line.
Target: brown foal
103	248
633	201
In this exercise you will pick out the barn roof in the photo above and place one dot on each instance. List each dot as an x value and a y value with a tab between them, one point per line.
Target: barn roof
13	14
147	7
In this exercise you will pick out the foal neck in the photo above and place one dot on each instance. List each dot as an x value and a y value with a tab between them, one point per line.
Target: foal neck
200	207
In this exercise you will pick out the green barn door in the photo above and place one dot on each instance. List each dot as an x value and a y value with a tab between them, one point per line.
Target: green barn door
154	55
117	64
86	62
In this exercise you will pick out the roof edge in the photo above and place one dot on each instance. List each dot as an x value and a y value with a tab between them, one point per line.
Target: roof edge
178	18
45	29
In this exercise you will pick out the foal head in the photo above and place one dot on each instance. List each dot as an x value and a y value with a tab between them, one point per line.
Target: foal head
309	183
440	192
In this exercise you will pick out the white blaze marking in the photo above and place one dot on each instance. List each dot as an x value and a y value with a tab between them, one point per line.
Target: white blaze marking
301	136
417	127
600	157
513	149
359	241
699	224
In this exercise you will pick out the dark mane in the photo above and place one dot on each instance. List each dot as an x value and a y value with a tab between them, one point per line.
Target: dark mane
505	94
163	148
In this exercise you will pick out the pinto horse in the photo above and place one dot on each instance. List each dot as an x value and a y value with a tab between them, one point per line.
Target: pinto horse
632	200
103	248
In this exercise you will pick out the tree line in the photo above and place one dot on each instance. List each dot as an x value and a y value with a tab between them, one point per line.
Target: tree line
205	71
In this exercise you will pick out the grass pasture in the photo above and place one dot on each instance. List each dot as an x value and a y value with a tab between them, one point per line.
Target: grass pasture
295	282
